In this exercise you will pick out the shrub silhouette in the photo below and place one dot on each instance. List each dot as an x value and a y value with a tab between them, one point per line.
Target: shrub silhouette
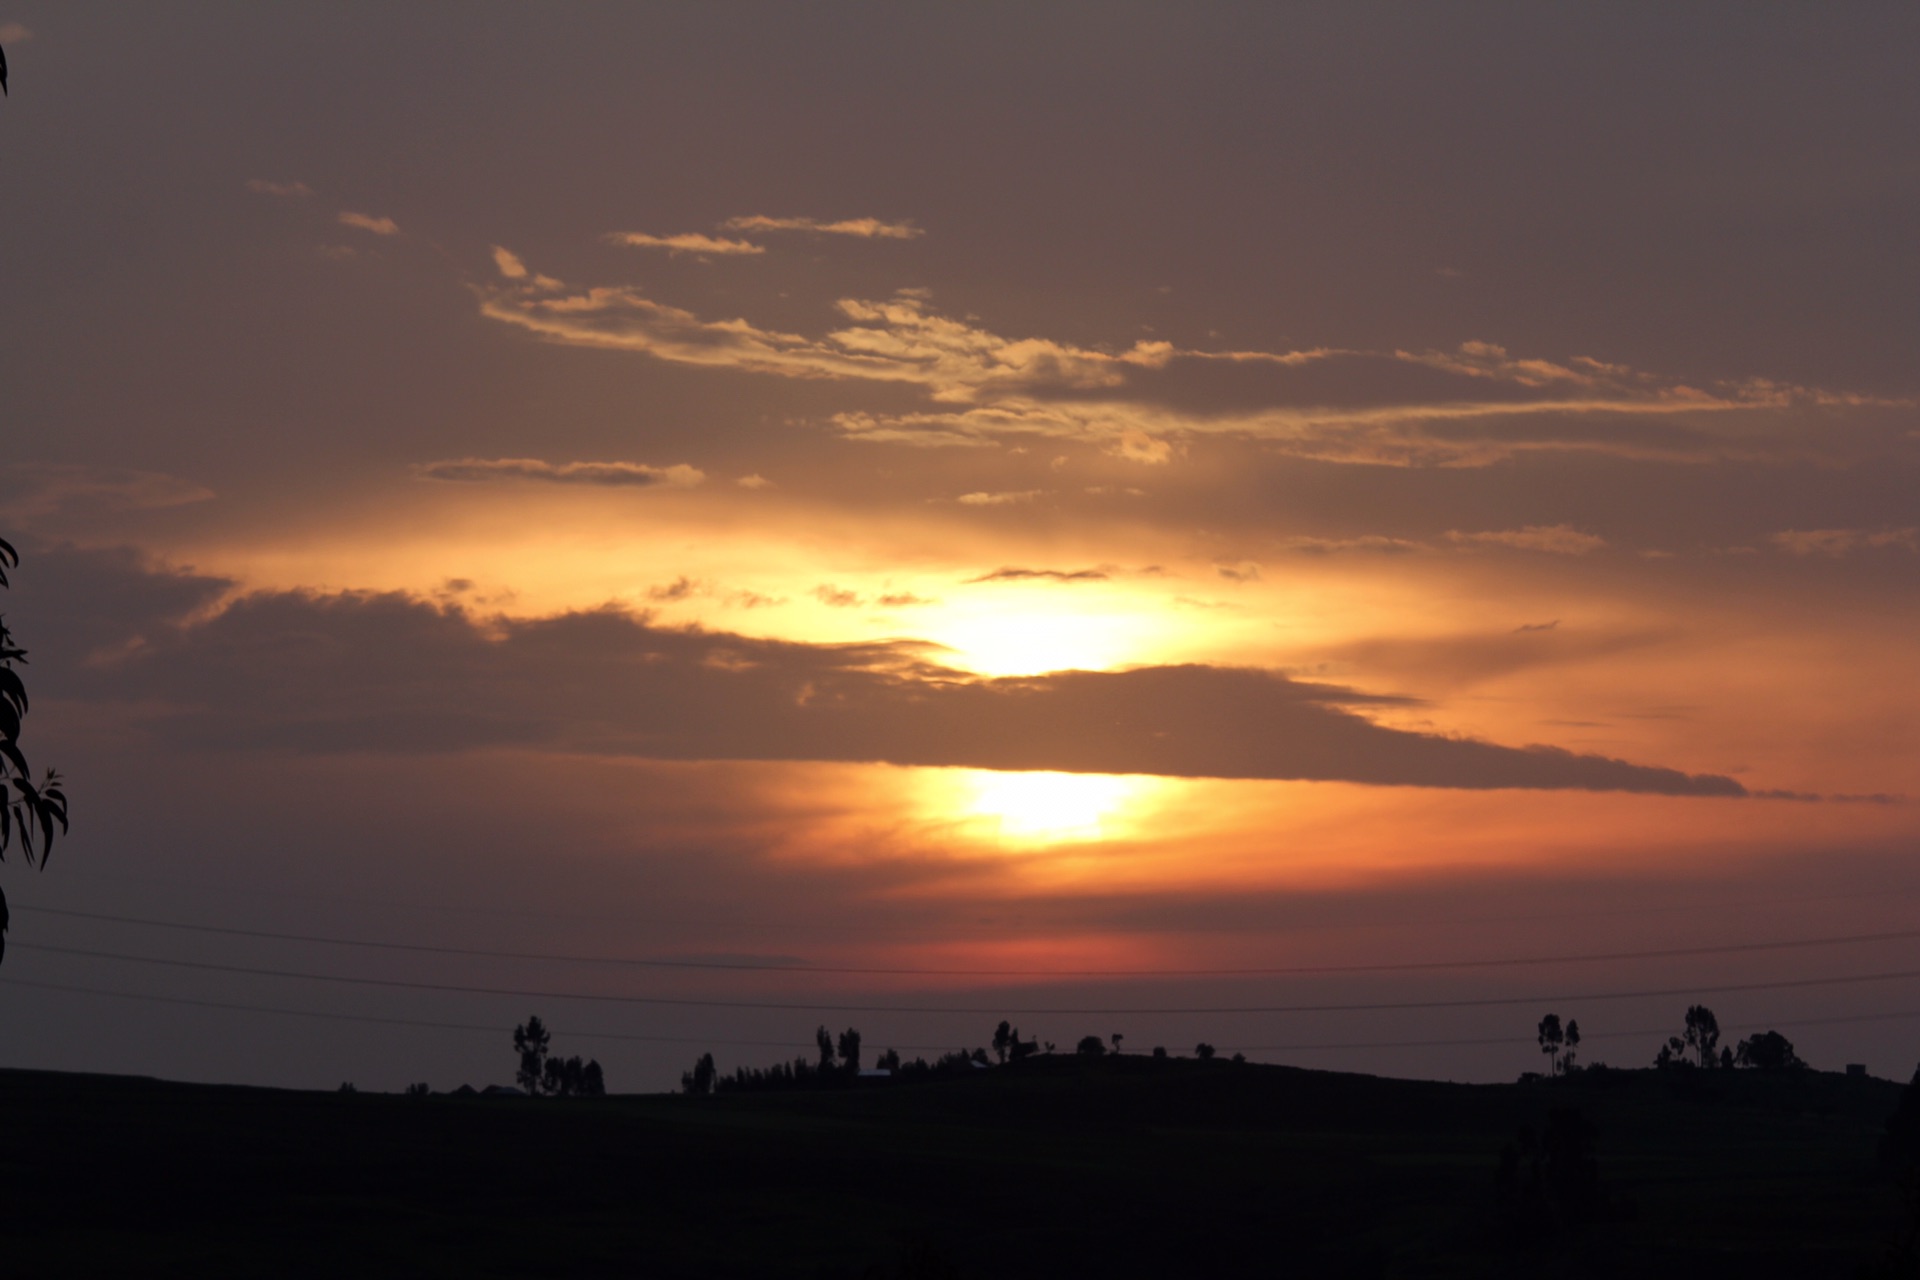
27	812
1090	1047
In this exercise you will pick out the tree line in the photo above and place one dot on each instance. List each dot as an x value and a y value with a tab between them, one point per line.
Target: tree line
837	1062
1697	1046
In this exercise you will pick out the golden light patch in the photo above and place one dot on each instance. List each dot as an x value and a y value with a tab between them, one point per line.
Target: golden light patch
1024	640
1046	808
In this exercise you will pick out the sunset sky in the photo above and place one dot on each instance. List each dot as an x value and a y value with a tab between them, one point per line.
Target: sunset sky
1333	530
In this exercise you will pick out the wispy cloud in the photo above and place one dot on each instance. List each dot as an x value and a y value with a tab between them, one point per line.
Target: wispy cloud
284	190
508	264
1239	571
1555	539
862	228
1838	542
681	588
30	490
755	481
1366	542
686	242
836	597
367	222
612	474
1469	407
1013	573
999	499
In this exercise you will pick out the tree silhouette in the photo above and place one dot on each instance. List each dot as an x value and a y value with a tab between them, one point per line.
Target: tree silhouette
824	1038
850	1051
1552	1039
1090	1047
1768	1051
530	1042
1203	1051
699	1081
1003	1038
27	811
1703	1034
572	1078
1117	1038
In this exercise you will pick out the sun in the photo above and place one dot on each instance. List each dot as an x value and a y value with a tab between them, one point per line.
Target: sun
1048	807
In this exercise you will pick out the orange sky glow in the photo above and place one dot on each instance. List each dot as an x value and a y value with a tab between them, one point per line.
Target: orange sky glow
1343	547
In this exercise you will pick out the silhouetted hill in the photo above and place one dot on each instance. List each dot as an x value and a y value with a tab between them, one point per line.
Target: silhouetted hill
1057	1166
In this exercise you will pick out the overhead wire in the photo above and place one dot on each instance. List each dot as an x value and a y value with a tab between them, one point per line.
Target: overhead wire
1411	966
1478	1002
378	1020
587	1034
1879	893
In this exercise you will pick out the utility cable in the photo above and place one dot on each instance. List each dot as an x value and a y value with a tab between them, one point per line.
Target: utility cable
1319	1046
377	1020
1412	966
1481	1002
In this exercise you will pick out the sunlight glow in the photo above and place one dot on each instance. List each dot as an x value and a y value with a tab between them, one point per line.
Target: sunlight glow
1050	807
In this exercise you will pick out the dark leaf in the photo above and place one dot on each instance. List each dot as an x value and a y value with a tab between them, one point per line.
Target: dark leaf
13	690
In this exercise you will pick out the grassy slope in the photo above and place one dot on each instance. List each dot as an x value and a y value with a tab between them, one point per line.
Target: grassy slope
1061	1167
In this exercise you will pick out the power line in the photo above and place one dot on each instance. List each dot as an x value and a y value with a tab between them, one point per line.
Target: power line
1888	1016
1481	1002
375	1019
523	913
1317	1046
1412	966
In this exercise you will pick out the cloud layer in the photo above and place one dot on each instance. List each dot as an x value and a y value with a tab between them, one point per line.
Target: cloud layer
1472	406
611	474
363	672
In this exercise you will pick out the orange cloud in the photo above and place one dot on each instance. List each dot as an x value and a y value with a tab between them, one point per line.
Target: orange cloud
1480	406
1556	539
367	222
1838	542
639	475
861	228
686	242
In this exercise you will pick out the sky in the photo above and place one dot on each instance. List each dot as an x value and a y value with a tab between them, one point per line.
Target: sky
1333	530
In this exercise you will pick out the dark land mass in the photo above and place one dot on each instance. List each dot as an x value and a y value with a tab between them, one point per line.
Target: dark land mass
1056	1166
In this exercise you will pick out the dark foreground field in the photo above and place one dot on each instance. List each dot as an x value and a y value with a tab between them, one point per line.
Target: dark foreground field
1057	1167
